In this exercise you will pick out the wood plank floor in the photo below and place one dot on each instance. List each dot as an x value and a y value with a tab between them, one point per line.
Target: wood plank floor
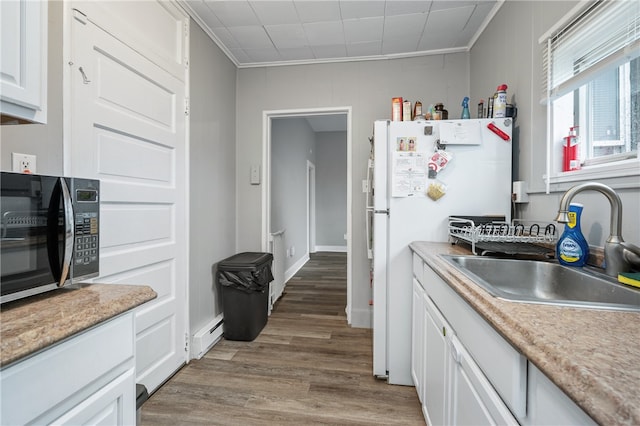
306	367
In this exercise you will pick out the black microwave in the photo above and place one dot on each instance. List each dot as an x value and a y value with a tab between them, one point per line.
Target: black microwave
49	233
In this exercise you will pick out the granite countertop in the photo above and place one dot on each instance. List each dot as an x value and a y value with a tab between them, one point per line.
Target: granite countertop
37	322
592	355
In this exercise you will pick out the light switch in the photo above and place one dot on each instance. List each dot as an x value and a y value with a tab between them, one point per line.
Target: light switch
255	174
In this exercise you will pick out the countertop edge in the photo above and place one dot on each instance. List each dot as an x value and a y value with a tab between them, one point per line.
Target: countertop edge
31	325
583	384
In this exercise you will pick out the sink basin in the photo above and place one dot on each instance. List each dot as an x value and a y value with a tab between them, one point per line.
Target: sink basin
547	283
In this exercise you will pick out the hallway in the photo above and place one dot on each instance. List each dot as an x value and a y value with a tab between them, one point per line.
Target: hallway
306	367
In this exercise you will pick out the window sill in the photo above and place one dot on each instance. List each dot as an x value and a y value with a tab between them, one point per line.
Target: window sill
620	169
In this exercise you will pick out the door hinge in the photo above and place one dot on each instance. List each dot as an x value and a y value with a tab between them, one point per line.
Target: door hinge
186	342
186	106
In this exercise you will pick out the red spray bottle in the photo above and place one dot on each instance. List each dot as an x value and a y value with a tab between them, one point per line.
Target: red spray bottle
571	157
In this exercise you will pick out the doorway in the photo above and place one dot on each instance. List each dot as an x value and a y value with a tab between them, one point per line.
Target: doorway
269	118
311	206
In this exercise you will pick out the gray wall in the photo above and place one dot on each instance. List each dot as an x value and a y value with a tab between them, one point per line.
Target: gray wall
331	189
212	173
42	140
293	143
508	52
367	87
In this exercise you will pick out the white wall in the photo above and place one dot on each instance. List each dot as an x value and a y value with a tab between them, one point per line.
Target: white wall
508	52
331	189
42	140
212	173
293	143
367	87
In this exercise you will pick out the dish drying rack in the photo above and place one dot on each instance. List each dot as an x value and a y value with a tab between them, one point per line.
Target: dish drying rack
486	234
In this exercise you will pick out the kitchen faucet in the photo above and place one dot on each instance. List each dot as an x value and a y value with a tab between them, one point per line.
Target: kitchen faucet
619	256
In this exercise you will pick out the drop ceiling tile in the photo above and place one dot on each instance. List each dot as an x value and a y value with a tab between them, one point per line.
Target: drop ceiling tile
226	38
329	52
287	36
205	14
318	11
449	20
397	7
263	55
233	13
275	12
251	37
368	48
444	28
324	33
478	16
361	9
296	54
448	4
365	29
399	45
240	56
404	25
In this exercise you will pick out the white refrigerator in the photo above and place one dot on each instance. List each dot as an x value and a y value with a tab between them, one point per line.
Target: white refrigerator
421	173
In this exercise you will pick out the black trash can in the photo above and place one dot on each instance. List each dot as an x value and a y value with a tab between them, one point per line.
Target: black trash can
244	283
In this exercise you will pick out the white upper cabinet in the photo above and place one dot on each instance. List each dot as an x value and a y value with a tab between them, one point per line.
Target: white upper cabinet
23	61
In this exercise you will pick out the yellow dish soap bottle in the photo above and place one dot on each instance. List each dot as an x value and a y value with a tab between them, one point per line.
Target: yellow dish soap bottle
572	248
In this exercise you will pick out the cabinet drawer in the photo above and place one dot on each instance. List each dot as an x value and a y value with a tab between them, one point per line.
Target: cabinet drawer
54	377
418	268
503	365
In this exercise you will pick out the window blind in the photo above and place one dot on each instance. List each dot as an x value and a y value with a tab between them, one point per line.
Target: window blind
605	35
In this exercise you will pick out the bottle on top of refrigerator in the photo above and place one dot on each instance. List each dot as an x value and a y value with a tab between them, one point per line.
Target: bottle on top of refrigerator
465	108
490	107
500	102
572	248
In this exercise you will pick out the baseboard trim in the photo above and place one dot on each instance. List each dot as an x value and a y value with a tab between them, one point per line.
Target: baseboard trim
361	318
206	337
337	249
293	269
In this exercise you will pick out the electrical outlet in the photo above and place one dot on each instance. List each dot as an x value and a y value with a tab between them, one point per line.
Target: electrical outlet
23	163
519	194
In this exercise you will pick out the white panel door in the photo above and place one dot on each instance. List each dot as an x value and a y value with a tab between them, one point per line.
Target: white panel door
128	129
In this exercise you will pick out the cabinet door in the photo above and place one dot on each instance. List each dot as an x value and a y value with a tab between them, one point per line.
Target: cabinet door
114	404
417	337
436	365
23	63
473	400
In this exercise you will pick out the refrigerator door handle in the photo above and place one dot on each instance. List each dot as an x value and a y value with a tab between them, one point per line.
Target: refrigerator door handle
386	211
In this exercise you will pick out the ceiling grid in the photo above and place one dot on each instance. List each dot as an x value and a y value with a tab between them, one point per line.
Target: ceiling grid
278	32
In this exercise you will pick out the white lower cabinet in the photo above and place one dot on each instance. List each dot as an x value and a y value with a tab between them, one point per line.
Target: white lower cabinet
417	338
437	366
110	405
548	405
473	399
470	374
87	379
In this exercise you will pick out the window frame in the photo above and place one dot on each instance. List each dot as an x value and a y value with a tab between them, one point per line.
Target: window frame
618	167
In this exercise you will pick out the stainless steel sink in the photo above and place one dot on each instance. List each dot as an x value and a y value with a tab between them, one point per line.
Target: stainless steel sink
547	283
